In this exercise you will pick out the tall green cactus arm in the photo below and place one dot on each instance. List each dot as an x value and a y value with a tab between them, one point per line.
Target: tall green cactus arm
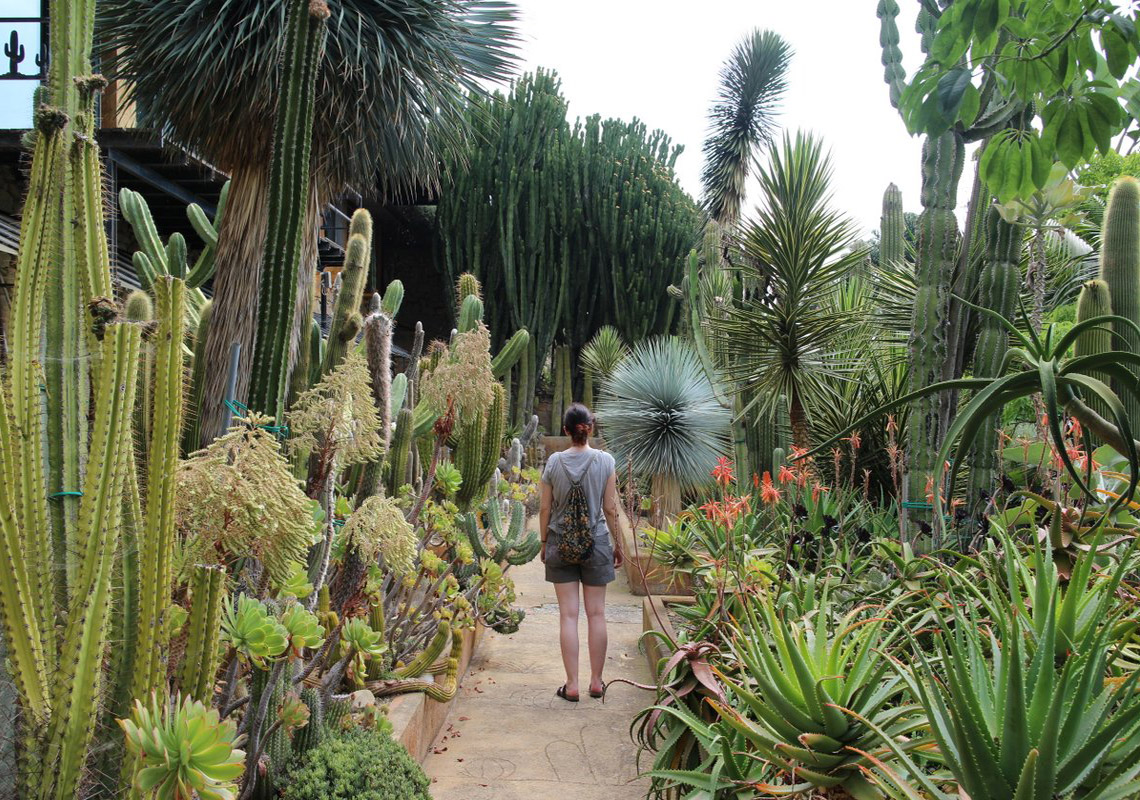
136	212
289	189
156	544
998	291
200	662
942	164
208	231
893	72
197	380
346	319
891	227
393	298
1120	269
84	640
420	664
479	447
1095	301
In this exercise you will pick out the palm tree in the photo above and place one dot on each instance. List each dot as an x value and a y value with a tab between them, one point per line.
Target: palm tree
390	100
780	343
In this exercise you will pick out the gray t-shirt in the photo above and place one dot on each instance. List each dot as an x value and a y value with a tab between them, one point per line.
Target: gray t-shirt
593	469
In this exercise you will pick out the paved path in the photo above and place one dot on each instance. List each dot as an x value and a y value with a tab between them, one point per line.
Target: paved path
509	737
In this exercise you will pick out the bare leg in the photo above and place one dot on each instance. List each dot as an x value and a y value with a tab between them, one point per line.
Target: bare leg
568	632
595	597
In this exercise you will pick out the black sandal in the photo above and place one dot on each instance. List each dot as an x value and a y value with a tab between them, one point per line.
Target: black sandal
562	693
602	693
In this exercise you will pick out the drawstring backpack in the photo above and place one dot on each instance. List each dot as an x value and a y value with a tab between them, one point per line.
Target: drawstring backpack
576	542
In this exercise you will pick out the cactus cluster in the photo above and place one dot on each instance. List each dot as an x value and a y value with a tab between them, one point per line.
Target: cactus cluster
502	544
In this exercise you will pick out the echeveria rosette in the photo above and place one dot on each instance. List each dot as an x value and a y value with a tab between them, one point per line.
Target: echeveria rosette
303	628
185	752
293	714
252	632
358	639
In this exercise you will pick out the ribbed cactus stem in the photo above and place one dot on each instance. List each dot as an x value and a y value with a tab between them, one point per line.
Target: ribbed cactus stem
893	72
420	664
200	662
891	227
157	541
1120	269
76	684
208	230
1095	301
467	286
190	432
479	446
398	451
310	736
943	159
393	299
997	291
289	190
346	319
378	350
470	313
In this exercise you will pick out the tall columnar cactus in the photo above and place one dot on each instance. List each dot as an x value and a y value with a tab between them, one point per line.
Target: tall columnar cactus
200	661
479	446
891	227
396	465
1095	301
509	543
156	543
470	313
139	308
943	159
510	354
378	350
346	320
197	380
1120	269
289	196
997	291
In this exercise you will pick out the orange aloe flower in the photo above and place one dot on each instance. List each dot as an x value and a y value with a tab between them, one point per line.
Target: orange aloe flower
769	494
722	472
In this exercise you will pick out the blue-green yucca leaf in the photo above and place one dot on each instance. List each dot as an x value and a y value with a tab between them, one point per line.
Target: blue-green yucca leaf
661	413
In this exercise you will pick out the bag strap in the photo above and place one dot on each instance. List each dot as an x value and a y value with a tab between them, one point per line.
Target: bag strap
566	470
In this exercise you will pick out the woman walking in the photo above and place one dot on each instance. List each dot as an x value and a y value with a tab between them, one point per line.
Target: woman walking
593	471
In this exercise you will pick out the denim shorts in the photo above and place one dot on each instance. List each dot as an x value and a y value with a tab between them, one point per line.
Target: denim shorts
598	570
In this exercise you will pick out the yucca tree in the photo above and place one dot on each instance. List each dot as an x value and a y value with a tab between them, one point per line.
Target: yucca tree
742	121
781	341
390	95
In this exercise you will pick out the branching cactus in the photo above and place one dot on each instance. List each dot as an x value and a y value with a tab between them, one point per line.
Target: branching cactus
479	446
289	190
1120	269
346	319
510	544
197	380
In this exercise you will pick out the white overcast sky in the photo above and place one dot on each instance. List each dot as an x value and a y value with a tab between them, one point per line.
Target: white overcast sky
659	60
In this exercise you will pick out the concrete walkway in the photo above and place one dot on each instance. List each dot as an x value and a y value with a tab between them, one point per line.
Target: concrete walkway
509	737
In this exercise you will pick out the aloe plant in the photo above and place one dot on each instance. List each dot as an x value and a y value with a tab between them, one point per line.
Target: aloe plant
813	694
1011	716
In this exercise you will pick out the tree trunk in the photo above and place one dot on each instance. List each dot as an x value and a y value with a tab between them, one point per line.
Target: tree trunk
801	429
241	243
666	500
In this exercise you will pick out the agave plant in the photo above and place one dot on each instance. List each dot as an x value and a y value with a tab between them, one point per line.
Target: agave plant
813	695
185	751
1011	718
662	416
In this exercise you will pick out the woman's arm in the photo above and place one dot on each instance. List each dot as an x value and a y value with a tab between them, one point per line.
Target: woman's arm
544	518
610	510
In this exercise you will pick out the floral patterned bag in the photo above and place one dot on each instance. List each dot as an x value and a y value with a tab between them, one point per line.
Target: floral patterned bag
576	541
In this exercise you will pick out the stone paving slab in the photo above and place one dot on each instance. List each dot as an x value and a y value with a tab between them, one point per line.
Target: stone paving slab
509	738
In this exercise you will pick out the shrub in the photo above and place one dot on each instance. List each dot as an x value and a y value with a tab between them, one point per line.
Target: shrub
357	765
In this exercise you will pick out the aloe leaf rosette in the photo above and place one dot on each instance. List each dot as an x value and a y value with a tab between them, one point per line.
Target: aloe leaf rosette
184	752
249	629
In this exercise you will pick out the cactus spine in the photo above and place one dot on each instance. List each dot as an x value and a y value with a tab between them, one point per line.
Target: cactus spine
998	291
289	191
891	227
1120	269
479	447
346	320
1095	301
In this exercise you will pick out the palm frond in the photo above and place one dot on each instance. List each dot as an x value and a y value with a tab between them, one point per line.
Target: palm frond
742	120
390	93
661	413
